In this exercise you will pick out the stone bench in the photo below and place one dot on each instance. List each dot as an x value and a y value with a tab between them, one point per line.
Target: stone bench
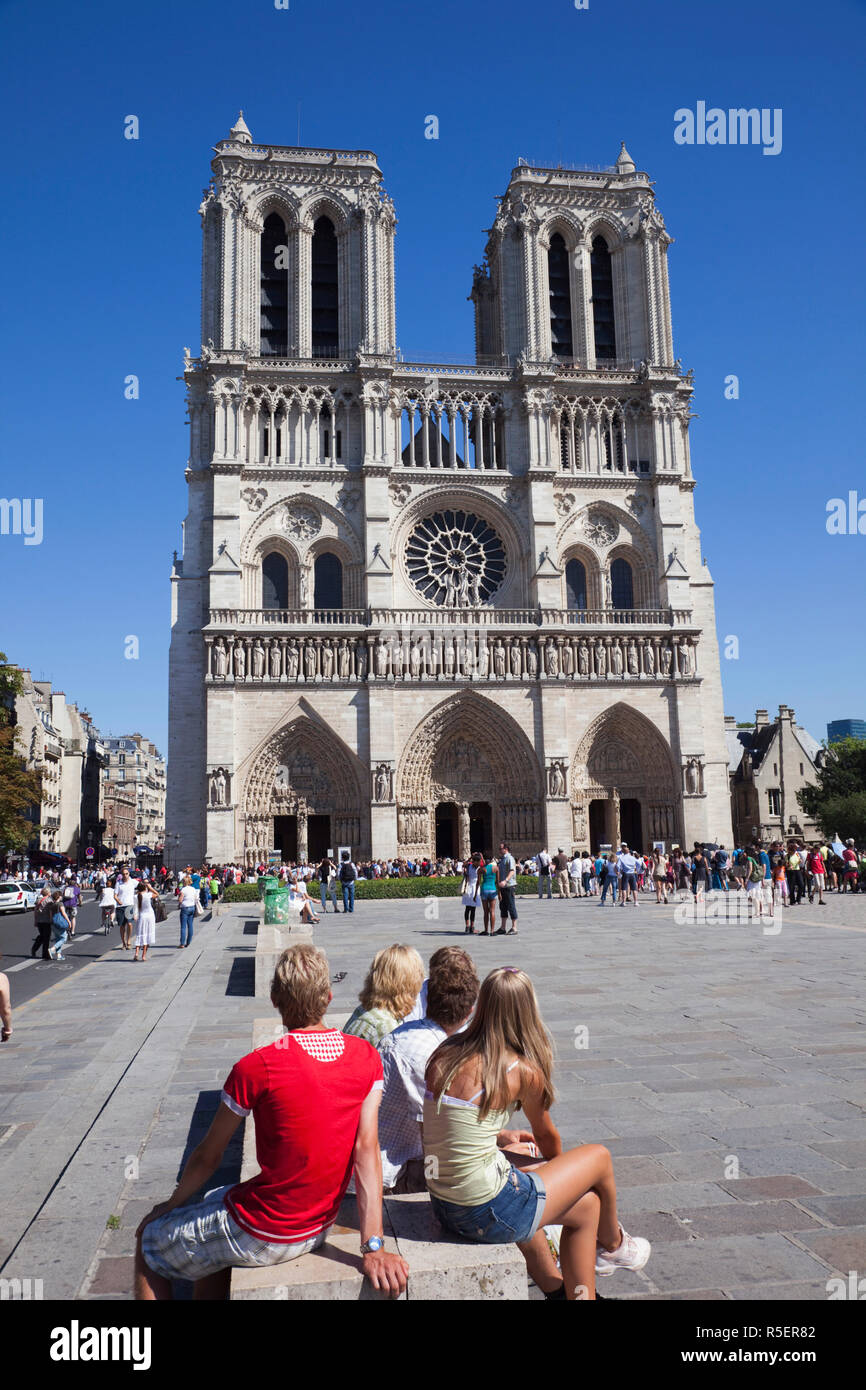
440	1267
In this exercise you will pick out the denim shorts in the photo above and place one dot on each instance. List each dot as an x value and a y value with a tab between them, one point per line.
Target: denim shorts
194	1241
514	1214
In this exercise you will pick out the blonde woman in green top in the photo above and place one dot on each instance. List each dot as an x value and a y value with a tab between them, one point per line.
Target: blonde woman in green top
392	985
475	1081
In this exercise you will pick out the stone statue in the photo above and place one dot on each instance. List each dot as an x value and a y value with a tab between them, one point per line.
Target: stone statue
344	660
415	659
685	659
601	659
397	658
499	659
633	665
515	659
361	660
382	780
649	659
327	661
666	661
218	788
292	660
240	661
309	661
275	661
532	660
692	777
557	780
381	657
568	660
258	659
616	659
448	657
401	827
483	658
583	659
219	659
551	660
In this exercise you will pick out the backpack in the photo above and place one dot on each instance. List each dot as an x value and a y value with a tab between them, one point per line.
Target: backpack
348	873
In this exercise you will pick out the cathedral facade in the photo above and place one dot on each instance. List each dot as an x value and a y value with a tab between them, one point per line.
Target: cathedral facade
423	607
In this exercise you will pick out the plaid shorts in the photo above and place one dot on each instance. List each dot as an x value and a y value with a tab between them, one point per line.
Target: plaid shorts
192	1242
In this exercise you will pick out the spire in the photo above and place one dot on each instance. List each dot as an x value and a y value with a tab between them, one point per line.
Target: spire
240	131
625	163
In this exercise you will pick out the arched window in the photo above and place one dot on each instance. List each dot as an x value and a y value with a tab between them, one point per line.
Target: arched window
327	581
274	295
560	298
575	584
602	300
621	584
275	581
324	296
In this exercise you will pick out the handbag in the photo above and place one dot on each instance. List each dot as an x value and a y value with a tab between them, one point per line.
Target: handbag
199	910
159	911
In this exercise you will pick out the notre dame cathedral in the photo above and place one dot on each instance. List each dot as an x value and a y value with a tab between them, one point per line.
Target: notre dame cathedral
423	607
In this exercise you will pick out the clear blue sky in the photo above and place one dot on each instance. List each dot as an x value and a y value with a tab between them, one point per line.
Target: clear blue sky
100	278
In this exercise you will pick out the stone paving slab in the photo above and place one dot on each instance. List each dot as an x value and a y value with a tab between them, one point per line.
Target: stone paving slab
690	1061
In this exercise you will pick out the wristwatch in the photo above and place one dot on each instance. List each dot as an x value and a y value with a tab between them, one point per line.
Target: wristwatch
372	1245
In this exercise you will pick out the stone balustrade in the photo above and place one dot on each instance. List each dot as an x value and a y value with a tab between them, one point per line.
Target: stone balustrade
449	617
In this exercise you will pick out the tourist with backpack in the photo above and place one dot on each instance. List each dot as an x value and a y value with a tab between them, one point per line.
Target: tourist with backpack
348	876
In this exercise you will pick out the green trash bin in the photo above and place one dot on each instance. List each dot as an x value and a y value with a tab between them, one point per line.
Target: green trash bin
265	882
277	904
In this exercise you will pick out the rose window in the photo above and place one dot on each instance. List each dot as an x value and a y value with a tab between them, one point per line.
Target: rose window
455	559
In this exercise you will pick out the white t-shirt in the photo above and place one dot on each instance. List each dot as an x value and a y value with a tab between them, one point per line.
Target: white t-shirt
188	896
125	892
575	867
107	899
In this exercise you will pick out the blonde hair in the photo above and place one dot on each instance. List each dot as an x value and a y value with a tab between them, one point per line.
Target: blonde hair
301	987
506	1021
393	980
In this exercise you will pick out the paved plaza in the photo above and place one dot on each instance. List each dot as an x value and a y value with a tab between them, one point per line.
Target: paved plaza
721	1064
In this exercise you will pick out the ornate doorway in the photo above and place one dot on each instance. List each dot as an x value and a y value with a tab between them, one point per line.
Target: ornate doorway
303	787
470	755
447	830
623	783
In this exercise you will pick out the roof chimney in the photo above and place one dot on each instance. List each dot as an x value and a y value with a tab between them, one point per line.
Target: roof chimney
730	721
761	718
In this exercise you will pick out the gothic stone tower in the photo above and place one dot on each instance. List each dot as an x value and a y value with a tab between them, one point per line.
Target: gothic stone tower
422	607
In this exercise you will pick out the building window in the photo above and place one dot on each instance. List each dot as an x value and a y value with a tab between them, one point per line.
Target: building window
325	290
274	289
275	581
775	798
801	770
327	581
560	298
575	585
602	300
621	584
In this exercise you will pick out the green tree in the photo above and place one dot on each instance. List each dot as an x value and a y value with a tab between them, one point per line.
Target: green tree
838	799
20	790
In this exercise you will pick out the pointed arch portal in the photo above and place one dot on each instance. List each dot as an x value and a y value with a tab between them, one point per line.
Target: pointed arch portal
303	795
623	785
468	778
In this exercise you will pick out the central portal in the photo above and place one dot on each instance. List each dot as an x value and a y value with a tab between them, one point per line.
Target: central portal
446	830
319	840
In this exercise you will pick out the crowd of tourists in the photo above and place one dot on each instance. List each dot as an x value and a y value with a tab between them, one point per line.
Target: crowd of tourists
780	872
417	1092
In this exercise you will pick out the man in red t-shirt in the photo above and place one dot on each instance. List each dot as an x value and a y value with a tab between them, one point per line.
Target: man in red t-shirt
314	1095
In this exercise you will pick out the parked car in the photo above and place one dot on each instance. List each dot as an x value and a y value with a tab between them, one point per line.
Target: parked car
14	897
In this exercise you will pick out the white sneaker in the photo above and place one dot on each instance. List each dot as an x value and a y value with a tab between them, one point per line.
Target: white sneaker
632	1253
